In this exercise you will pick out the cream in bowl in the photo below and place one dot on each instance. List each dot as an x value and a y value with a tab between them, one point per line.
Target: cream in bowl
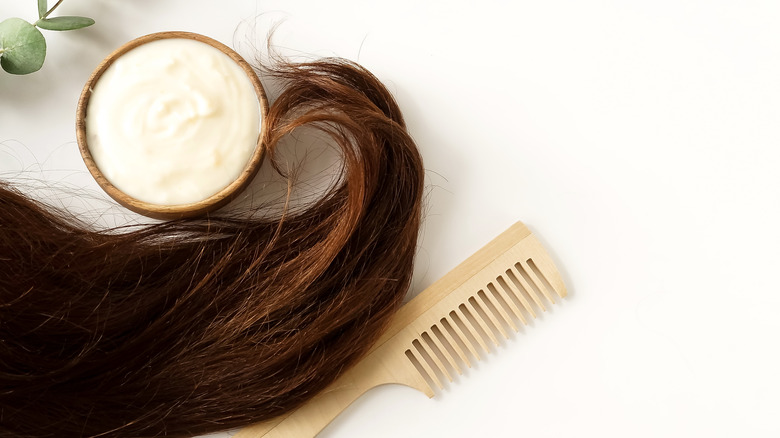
170	124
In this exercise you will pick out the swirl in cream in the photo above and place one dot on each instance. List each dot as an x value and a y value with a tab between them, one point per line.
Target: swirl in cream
172	121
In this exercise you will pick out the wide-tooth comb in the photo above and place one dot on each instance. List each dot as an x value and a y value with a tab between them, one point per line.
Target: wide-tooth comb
445	327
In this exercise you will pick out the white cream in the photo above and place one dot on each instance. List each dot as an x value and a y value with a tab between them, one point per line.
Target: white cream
172	122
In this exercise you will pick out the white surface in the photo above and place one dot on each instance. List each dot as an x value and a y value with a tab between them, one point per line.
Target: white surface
638	139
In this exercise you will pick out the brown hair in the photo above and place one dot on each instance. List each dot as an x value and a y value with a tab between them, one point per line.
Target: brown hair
194	326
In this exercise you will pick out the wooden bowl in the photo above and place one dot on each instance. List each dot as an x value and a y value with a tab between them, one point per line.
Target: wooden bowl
178	211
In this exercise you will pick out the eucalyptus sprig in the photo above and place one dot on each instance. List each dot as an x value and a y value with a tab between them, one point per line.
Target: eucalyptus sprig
23	46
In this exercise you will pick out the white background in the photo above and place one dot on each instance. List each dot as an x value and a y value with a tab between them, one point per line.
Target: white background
638	139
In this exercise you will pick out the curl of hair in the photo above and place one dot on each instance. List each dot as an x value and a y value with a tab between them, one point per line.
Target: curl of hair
193	326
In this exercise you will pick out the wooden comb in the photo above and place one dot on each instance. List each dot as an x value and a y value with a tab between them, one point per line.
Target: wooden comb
443	328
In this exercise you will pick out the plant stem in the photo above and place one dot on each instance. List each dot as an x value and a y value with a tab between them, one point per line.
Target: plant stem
51	9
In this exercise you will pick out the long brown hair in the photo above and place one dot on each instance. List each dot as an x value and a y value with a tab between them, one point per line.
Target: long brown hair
194	326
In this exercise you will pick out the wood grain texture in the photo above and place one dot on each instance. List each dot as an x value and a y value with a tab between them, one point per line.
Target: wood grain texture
441	330
156	211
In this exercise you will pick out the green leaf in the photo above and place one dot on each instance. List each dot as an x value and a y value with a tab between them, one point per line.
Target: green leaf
42	8
23	46
64	23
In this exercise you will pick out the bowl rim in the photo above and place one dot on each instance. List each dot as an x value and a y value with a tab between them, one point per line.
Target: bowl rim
175	211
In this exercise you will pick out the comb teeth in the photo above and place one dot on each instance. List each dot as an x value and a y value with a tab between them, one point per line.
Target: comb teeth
488	311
